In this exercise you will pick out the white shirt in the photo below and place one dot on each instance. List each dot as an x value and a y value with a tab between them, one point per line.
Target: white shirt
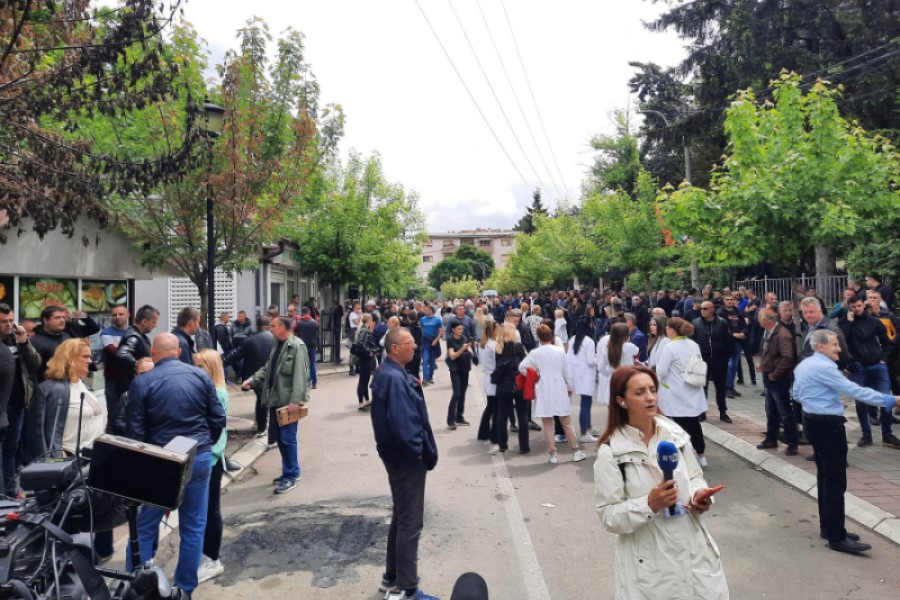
552	390
583	366
676	398
93	418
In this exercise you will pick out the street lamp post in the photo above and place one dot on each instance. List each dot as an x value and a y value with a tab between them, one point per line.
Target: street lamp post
213	122
695	268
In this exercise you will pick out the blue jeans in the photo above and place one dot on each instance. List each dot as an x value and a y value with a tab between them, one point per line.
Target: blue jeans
191	526
16	416
312	365
733	361
428	364
875	377
287	445
778	409
584	417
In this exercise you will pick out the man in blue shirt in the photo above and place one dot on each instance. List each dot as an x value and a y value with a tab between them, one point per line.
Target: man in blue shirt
818	385
636	336
432	330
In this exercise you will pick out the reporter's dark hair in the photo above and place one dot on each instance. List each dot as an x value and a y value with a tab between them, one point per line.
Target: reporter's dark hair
681	327
618	385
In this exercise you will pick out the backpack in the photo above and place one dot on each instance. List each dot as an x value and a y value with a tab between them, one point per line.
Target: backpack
695	371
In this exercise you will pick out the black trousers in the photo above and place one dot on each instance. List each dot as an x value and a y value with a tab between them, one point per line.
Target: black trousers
457	408
716	372
486	429
829	441
262	416
407	480
693	428
509	401
336	347
365	374
212	536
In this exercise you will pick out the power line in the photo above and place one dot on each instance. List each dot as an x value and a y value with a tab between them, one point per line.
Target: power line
494	93
516	97
471	96
533	99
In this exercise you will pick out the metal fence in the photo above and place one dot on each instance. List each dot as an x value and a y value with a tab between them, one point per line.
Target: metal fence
829	289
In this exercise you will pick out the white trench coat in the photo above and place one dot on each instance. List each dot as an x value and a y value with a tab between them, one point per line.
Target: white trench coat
656	558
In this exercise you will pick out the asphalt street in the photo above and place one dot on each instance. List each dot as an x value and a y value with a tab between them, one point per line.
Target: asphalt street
528	527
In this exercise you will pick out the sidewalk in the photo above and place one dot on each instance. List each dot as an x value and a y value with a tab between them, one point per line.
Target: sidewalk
873	476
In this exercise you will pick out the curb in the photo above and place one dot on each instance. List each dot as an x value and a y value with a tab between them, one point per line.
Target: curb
866	514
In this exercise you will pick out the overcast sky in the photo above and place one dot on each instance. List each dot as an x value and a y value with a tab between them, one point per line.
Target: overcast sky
402	98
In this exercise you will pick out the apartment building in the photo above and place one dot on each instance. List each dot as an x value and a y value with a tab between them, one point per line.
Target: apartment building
499	243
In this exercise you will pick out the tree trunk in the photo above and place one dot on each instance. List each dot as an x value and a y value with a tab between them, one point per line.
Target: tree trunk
695	274
825	267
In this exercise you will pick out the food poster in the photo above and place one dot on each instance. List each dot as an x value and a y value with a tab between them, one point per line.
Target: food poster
101	296
7	289
37	294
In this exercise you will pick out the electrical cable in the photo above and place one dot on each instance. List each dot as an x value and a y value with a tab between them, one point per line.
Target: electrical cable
494	94
516	97
533	99
471	96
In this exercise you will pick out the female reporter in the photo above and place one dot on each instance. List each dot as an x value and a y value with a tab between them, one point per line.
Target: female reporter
53	423
210	361
658	556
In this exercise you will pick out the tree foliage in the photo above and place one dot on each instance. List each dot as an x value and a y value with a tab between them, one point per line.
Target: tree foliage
360	228
61	61
798	176
467	261
465	287
526	223
617	160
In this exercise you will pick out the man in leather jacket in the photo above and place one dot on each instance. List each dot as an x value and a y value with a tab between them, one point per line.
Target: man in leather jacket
712	335
134	345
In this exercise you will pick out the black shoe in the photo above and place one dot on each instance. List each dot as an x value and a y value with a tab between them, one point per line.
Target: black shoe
233	466
533	426
850	536
874	420
791	450
735	392
730	393
462	422
451	425
849	546
725	418
525	451
891	441
864	441
752	382
766	445
811	458
740	382
702	417
514	429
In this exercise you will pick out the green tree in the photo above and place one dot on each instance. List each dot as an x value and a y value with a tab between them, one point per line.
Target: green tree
799	179
526	223
617	159
467	261
466	287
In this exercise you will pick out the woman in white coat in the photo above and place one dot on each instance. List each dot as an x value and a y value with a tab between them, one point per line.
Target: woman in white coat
657	556
656	341
682	402
552	392
582	356
488	343
613	351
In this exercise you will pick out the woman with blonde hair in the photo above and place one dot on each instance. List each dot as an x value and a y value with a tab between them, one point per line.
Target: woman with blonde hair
366	340
509	353
486	429
210	361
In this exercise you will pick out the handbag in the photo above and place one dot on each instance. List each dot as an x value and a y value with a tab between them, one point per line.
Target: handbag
357	349
286	418
694	373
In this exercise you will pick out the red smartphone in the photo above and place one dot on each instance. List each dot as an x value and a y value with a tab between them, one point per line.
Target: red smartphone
708	493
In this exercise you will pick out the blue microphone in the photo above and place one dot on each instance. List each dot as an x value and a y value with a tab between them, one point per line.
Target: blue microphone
667	458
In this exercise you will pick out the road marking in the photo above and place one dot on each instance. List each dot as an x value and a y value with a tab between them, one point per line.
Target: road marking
532	575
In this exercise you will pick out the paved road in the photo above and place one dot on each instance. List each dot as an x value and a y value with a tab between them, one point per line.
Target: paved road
325	540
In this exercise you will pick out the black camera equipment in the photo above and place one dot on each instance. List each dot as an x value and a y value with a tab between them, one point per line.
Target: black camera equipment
46	550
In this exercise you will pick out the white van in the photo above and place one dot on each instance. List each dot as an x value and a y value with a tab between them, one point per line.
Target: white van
486	294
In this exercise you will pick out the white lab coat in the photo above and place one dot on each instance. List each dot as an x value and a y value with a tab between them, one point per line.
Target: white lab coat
583	366
656	558
656	351
488	358
605	370
676	398
552	390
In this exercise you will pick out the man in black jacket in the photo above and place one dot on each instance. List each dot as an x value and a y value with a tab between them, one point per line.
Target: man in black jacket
307	329
187	325
738	330
133	346
154	417
251	356
712	335
870	348
55	328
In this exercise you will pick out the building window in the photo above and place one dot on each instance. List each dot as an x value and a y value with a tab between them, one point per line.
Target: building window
506	241
429	243
467	242
448	243
426	258
484	243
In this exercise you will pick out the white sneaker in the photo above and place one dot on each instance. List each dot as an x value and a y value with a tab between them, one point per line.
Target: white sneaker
578	456
560	439
493	449
587	439
553	459
272	446
209	569
261	434
702	460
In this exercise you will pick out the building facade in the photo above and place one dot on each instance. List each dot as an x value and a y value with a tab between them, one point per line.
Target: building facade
499	243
